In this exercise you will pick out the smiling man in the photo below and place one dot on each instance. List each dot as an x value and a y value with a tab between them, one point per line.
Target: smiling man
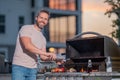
29	45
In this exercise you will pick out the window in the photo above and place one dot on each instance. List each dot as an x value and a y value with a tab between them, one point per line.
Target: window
61	28
2	23
61	4
21	21
32	3
61	50
57	50
32	17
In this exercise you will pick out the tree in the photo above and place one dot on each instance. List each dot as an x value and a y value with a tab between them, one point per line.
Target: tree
115	9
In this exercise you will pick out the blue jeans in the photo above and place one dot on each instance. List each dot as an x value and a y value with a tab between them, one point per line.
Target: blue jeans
23	73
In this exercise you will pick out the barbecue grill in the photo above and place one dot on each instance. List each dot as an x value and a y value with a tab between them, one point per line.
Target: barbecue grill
96	48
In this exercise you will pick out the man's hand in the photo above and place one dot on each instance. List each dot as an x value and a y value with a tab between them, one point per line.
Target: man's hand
52	56
44	58
48	56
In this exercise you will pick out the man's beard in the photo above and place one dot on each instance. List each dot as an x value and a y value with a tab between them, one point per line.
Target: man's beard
39	26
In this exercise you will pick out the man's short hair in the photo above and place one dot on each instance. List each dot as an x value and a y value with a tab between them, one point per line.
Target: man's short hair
45	11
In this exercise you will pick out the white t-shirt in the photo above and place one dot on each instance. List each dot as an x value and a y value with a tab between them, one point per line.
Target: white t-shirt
22	57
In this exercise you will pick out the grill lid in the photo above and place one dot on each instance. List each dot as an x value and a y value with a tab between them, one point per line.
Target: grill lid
95	46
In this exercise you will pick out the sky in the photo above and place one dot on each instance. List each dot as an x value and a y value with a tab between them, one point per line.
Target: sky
94	18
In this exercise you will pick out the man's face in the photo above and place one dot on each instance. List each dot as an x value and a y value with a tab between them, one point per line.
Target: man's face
42	19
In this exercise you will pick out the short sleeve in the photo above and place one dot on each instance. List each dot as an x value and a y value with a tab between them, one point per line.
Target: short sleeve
25	31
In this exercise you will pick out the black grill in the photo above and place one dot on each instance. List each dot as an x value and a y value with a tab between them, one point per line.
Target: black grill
80	49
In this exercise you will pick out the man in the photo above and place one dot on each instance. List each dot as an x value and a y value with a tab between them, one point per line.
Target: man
30	44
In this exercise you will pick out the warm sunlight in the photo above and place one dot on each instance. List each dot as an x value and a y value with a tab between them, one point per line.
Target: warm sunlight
94	18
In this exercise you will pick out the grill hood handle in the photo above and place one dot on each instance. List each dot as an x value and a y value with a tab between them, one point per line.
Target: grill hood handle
84	33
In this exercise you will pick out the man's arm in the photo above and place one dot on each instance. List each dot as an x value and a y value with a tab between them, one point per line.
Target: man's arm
30	47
